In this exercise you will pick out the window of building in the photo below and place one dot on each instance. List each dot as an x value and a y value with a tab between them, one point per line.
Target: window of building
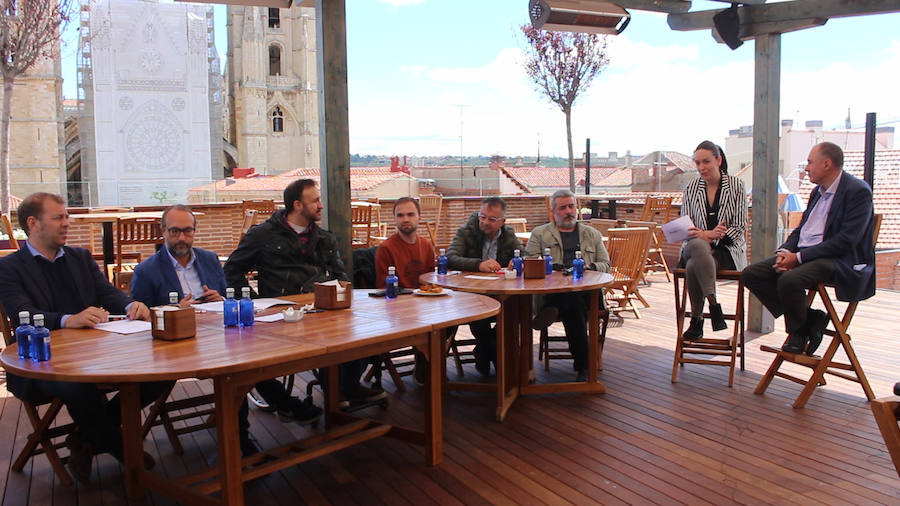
274	18
277	120
274	60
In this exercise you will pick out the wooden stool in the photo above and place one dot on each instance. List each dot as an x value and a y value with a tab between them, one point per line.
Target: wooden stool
824	364
730	348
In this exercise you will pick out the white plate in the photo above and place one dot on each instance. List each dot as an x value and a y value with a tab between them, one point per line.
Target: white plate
430	294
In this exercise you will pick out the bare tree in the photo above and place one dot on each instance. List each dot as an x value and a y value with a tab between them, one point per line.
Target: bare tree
562	65
29	31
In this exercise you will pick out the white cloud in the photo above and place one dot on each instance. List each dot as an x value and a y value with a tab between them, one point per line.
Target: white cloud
650	97
401	3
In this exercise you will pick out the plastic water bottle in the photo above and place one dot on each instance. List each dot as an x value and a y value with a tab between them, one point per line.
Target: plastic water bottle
518	263
173	299
442	262
246	307
231	309
390	283
24	334
548	262
578	266
40	340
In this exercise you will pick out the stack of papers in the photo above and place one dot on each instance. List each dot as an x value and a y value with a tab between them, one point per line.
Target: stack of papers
258	305
124	326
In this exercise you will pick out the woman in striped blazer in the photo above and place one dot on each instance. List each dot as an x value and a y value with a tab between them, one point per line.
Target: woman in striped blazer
717	204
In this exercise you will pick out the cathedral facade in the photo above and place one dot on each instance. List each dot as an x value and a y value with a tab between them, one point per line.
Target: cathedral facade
272	88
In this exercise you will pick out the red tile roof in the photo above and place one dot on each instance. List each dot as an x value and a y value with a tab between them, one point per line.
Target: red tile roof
886	195
558	177
672	159
361	179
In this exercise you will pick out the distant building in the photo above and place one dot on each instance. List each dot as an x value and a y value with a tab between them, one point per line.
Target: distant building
36	148
795	144
150	117
663	171
273	88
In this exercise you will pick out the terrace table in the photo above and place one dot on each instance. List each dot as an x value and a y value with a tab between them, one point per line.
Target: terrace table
237	358
515	358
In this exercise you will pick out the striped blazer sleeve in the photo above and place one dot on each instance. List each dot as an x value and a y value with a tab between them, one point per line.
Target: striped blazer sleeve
732	210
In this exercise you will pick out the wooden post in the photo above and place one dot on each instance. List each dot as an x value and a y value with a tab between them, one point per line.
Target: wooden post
766	133
334	131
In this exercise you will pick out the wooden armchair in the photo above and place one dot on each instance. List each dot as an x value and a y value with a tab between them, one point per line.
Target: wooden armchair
627	252
134	232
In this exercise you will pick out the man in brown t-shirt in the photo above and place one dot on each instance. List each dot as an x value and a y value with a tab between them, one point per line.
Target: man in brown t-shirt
411	254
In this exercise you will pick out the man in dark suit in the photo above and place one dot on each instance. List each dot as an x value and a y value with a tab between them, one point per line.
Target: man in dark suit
66	286
197	276
834	242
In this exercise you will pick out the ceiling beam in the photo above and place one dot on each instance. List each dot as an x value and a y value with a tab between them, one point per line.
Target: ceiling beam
252	3
793	11
669	6
745	2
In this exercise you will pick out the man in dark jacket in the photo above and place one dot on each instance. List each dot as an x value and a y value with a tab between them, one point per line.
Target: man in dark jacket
834	242
65	285
291	253
484	244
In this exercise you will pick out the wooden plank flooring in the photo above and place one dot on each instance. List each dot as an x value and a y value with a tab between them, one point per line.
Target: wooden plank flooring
646	440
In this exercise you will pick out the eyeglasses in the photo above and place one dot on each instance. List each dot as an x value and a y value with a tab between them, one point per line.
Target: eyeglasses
175	231
492	219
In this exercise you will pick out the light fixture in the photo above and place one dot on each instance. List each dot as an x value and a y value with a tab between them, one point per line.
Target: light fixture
588	16
727	25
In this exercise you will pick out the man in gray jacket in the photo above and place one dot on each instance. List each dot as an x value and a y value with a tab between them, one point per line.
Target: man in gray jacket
484	244
564	237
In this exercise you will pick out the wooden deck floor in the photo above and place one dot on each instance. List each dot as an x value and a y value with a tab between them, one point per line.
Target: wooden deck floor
646	440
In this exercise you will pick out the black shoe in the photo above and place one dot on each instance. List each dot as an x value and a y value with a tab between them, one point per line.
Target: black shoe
717	318
581	376
816	321
360	393
420	372
695	330
896	388
483	368
81	457
545	317
795	343
302	412
248	445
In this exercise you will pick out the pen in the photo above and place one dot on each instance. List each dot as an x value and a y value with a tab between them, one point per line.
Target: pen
117	317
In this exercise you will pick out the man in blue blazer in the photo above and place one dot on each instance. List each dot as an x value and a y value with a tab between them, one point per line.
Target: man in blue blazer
834	242
197	276
194	273
66	286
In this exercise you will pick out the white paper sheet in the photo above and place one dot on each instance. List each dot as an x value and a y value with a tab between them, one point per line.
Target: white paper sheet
277	317
124	326
258	305
677	230
475	276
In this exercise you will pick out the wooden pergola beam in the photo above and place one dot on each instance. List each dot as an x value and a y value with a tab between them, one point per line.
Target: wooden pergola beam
669	6
786	12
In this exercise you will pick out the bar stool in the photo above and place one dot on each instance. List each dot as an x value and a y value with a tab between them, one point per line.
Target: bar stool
730	348
825	364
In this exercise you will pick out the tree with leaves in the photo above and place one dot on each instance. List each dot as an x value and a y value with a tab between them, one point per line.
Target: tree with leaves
29	32
562	65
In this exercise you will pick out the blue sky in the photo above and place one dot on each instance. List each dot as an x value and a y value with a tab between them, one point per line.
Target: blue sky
413	63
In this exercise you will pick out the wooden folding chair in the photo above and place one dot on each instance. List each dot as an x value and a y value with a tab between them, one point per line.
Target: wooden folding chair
263	207
887	414
519	225
428	204
657	209
8	230
824	364
655	257
604	224
44	438
627	253
361	224
730	348
557	347
135	232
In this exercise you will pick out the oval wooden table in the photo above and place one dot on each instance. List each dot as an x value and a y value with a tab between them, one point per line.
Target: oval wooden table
514	334
237	358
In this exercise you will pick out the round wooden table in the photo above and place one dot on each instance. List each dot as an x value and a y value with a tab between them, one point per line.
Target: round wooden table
237	358
514	334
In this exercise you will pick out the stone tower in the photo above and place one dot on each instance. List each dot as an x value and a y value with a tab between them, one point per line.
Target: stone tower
272	87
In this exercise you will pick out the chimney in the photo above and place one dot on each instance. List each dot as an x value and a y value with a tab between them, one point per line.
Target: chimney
628	159
405	167
786	124
816	126
395	164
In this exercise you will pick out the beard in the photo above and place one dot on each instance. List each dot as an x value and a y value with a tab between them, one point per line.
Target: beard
408	228
180	249
565	221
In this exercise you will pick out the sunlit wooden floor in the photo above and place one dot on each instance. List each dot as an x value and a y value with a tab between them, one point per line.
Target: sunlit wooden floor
646	440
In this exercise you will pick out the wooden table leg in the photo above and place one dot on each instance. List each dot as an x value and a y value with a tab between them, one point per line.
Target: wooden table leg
507	360
433	412
132	445
228	441
328	376
593	335
525	338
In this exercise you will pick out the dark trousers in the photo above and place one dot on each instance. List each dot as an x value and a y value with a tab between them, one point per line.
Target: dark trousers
98	420
485	341
784	293
573	311
274	393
